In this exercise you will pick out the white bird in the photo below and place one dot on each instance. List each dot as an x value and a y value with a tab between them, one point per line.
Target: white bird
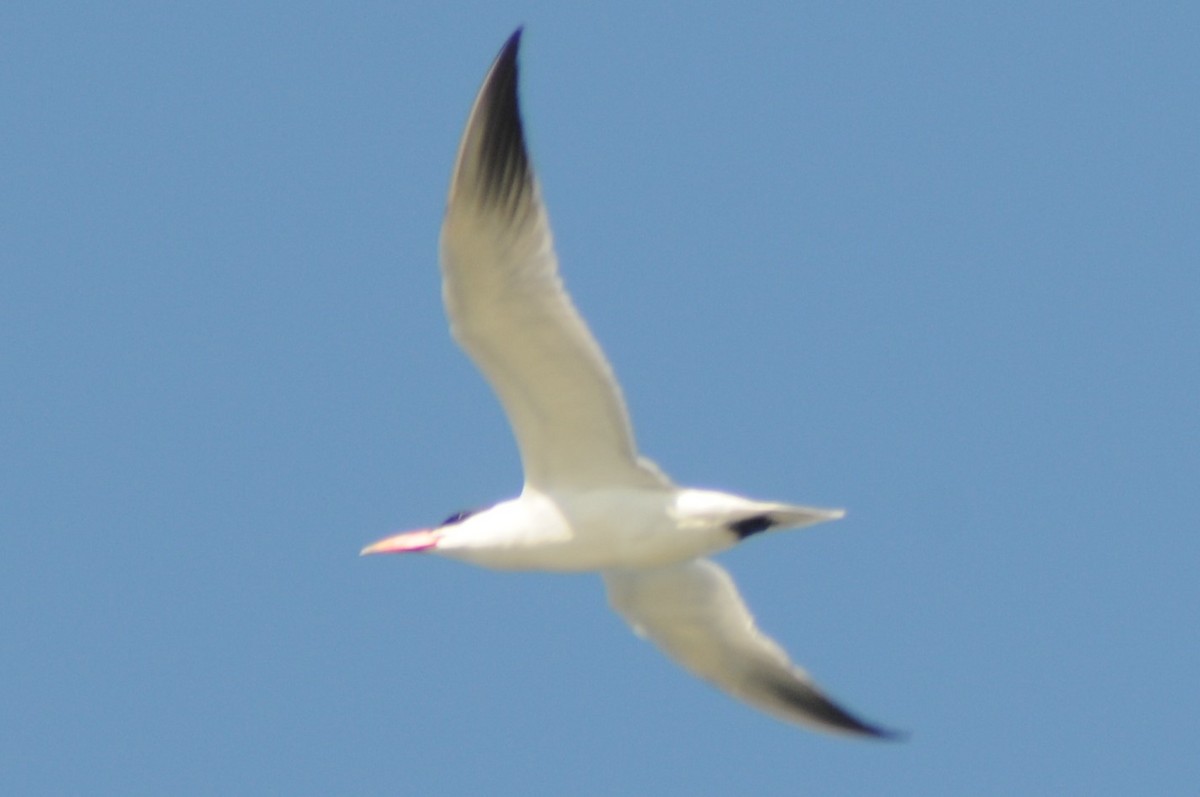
589	501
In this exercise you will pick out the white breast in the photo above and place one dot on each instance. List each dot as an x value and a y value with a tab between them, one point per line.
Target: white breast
590	530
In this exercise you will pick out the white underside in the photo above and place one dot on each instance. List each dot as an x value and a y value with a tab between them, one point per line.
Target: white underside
602	529
583	530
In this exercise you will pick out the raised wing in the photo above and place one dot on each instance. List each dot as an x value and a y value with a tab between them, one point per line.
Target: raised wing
509	311
694	614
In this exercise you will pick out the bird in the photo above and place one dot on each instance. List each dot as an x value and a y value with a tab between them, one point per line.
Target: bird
590	501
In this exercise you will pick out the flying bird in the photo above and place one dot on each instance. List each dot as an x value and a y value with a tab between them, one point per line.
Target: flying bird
590	502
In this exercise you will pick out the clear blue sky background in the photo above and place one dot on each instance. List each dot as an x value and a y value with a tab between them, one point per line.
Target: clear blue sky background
933	262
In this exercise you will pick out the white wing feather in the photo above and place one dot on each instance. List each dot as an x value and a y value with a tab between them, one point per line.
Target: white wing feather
694	614
509	312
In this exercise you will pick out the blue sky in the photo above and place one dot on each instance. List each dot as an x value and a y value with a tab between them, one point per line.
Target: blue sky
933	262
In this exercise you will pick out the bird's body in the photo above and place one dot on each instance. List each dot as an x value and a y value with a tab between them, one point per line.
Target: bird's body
590	502
577	530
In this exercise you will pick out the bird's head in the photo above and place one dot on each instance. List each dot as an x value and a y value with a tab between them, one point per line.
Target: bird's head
420	540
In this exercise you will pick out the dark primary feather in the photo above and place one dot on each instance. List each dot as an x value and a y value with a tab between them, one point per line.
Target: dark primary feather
809	700
504	175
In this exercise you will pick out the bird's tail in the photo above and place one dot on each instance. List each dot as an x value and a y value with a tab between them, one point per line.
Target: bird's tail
795	516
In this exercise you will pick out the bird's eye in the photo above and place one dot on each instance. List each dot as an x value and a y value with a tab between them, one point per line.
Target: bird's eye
459	516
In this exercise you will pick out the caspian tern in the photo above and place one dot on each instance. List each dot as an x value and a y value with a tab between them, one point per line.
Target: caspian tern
590	502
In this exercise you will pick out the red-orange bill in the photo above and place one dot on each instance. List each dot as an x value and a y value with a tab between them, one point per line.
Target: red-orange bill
403	543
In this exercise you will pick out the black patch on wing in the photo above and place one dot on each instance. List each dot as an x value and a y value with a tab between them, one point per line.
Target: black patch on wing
752	525
810	702
504	174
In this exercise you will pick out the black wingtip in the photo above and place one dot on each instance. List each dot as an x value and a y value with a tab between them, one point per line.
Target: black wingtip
876	733
514	41
846	722
812	703
504	174
506	59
